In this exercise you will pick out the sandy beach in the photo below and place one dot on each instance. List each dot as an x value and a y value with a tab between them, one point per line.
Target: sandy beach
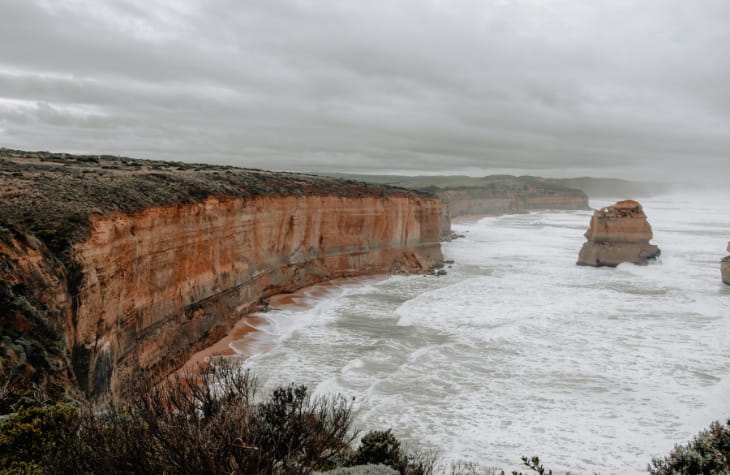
246	331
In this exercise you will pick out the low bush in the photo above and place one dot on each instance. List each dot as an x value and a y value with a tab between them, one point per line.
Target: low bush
187	427
28	436
379	448
383	448
707	453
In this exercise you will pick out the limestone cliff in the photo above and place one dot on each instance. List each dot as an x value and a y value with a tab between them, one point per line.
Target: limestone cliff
725	267
505	194
489	202
136	265
618	233
168	281
489	195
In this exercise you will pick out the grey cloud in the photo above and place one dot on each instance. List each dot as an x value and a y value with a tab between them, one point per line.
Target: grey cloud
615	85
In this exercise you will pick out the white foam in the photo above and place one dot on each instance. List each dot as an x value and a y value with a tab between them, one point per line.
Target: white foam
518	351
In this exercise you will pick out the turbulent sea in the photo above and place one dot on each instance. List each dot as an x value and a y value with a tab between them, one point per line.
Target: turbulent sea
518	351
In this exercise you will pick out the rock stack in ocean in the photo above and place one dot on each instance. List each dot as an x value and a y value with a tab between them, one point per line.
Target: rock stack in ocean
725	267
618	233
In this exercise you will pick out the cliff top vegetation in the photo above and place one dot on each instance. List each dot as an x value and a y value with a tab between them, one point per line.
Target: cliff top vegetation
51	195
491	185
592	186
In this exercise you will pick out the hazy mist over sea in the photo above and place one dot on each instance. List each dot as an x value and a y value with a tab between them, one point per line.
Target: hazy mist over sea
518	351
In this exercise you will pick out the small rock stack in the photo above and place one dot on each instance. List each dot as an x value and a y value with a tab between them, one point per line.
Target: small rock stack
618	233
725	267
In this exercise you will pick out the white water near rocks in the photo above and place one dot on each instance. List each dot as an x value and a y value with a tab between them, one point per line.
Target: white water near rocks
518	351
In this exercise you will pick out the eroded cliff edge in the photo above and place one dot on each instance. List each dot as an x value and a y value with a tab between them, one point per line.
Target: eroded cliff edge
135	265
725	267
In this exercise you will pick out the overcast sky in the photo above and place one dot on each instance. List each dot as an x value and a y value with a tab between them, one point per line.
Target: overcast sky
613	87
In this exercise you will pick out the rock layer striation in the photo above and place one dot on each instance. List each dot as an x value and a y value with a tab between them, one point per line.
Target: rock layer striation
618	233
167	282
125	268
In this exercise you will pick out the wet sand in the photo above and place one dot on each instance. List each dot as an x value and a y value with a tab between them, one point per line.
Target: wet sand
222	347
246	338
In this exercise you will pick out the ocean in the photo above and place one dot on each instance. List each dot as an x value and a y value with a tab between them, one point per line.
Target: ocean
518	351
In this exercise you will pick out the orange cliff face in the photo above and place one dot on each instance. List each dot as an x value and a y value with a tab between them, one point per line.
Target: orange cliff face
618	233
164	283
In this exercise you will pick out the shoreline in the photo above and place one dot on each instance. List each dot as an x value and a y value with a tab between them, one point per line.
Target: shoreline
247	332
470	218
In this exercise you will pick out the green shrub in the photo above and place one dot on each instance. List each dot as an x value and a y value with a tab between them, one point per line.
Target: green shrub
383	448
707	453
32	434
379	447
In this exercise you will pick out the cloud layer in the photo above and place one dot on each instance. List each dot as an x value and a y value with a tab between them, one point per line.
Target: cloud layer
617	87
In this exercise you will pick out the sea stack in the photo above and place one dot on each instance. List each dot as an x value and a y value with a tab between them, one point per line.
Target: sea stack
618	233
725	267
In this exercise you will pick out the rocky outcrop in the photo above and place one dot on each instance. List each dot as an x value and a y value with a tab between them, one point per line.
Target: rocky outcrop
134	290
618	233
725	267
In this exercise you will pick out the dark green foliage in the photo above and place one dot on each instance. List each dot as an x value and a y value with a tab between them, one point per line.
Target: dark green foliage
33	355
59	235
379	447
708	453
383	448
29	436
290	423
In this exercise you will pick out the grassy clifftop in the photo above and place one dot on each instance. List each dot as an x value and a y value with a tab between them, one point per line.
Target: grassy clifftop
593	186
503	185
496	185
51	195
